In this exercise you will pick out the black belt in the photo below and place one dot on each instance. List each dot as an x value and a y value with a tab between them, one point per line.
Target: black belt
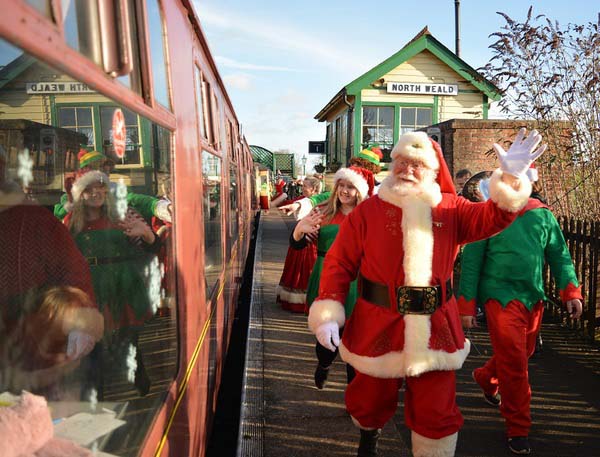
409	300
321	253
93	261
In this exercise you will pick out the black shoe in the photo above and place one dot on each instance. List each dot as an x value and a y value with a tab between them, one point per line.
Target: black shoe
368	442
493	400
321	376
519	445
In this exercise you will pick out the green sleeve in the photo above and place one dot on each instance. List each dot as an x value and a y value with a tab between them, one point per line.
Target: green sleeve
558	256
473	257
59	209
143	204
319	198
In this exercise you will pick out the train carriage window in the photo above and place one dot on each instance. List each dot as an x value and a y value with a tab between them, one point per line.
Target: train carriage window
87	268
199	102
233	202
157	35
211	207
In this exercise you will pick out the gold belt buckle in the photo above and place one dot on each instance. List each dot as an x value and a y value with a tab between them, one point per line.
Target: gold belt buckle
92	261
417	300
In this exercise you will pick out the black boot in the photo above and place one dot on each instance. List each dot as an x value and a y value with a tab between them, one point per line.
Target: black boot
368	442
321	374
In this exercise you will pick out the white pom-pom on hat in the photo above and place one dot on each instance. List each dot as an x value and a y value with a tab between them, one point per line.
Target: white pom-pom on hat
416	146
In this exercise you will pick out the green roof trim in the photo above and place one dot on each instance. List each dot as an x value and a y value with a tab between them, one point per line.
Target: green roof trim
262	156
425	41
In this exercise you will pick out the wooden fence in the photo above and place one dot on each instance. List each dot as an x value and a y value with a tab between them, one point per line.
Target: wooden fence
583	240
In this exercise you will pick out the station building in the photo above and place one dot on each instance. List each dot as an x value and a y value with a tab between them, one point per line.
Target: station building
421	85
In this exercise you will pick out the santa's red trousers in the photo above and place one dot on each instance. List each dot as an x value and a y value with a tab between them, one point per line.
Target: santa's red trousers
513	332
429	402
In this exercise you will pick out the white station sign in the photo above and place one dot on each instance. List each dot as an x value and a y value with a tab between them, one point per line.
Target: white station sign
422	88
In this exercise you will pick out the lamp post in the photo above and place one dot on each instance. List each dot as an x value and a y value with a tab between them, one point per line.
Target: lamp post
303	165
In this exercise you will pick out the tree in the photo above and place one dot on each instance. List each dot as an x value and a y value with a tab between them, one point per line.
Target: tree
550	74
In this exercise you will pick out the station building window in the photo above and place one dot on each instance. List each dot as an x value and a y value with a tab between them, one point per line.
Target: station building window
414	118
78	119
133	145
378	128
95	272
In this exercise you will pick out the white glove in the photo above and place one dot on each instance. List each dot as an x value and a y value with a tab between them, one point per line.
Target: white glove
521	154
327	333
79	344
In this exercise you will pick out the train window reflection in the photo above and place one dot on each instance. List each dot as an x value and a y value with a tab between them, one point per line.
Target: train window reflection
211	206
87	271
157	50
43	6
78	120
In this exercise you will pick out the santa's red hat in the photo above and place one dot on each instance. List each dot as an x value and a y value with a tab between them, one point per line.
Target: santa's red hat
360	178
418	146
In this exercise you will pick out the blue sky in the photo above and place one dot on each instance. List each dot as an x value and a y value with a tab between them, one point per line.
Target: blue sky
282	61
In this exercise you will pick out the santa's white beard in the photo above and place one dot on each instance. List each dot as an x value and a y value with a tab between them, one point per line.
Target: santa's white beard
407	185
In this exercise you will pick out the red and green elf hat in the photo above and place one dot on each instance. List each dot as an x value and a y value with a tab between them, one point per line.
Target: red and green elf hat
372	154
86	158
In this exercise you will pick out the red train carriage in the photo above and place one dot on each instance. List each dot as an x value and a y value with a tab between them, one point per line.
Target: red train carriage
117	308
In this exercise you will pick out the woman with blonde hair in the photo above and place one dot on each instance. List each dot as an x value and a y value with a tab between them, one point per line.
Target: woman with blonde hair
351	186
119	247
291	291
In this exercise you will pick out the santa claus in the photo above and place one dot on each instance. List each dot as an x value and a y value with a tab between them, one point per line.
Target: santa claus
405	327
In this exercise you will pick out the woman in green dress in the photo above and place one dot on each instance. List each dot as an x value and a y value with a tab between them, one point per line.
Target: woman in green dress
351	186
120	248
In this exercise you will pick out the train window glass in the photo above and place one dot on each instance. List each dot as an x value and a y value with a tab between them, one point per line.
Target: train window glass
156	35
132	151
133	80
233	201
78	119
43	6
211	207
199	102
216	123
208	110
87	283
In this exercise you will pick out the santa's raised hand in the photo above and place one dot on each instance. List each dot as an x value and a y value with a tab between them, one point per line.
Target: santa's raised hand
521	154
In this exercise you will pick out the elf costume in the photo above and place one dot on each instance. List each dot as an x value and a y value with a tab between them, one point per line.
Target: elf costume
402	248
505	273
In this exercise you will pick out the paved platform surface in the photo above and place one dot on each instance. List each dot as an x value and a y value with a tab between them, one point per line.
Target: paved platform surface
289	417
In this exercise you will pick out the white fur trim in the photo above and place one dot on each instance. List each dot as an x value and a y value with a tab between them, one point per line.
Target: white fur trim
417	240
306	207
289	296
416	358
88	178
353	177
162	210
416	146
322	311
505	196
387	193
532	174
429	447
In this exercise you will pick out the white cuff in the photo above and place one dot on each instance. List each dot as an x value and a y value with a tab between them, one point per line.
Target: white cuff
505	196
322	311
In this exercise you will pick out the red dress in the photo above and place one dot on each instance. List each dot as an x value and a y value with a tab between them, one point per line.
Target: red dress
291	291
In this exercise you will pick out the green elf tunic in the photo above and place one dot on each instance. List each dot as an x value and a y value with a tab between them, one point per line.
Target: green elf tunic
489	270
117	265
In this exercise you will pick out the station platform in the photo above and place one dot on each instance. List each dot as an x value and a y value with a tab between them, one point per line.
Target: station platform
285	415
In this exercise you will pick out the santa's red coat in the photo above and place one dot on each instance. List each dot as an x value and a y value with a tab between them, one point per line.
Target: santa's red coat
400	241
